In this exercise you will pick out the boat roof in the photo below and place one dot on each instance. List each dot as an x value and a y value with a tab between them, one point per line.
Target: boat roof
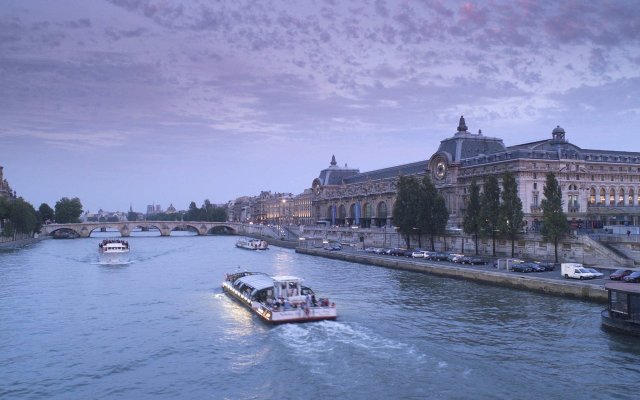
287	278
623	287
257	281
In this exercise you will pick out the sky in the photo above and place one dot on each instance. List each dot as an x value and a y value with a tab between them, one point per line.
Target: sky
134	102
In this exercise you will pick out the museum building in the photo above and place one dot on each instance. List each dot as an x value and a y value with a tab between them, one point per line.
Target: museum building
599	187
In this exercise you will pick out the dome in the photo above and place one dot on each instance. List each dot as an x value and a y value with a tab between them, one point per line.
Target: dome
558	134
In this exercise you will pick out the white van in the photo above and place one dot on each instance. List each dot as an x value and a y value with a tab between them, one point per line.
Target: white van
575	271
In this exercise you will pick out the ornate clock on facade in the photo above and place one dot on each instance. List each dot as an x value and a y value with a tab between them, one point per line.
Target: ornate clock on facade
441	169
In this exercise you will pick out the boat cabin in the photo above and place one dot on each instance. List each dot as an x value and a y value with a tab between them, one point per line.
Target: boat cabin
268	289
623	311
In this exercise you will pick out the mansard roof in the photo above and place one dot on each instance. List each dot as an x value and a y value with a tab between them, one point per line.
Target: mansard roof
552	149
414	168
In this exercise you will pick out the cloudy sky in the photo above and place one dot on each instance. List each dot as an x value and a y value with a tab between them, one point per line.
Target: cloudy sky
165	101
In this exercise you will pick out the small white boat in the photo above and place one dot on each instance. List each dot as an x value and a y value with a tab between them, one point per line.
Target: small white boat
252	244
278	299
112	250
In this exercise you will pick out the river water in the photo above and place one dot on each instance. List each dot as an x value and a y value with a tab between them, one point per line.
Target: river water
160	327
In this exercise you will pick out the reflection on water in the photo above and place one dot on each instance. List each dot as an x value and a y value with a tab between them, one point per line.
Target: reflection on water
160	327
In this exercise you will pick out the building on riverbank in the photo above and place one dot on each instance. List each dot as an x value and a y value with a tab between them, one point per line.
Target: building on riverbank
600	187
5	189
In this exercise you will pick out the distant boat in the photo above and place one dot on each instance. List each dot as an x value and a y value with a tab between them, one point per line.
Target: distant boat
278	299
252	244
112	250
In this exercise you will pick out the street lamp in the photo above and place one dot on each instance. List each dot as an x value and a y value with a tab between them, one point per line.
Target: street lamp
283	217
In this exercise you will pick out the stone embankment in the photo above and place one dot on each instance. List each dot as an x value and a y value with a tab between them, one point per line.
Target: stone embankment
560	287
14	244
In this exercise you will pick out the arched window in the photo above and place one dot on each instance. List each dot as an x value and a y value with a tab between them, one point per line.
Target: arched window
330	212
621	197
602	196
367	211
592	196
342	212
573	202
612	196
352	211
631	199
382	210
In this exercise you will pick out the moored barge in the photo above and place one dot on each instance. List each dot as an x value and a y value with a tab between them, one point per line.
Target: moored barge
623	312
278	299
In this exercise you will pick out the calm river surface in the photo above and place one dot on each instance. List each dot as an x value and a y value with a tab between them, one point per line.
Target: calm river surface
160	327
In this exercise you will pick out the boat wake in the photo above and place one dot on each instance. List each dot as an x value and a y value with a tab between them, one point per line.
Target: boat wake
113	263
328	339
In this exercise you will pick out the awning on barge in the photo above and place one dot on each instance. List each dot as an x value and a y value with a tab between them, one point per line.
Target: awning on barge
257	281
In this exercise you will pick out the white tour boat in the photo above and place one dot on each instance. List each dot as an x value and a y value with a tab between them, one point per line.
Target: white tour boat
252	244
112	250
278	299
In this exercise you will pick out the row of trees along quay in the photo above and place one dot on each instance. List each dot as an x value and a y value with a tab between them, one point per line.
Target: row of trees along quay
18	217
495	213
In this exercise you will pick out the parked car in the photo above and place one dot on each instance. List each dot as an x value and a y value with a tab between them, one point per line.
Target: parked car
632	277
575	271
418	254
596	274
521	267
619	274
548	266
471	260
439	256
454	257
428	254
406	253
535	267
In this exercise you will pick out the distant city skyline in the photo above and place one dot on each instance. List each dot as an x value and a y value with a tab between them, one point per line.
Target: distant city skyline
138	102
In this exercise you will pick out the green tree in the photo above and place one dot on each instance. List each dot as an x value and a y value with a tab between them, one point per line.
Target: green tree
511	214
432	212
472	222
23	216
490	209
132	216
68	210
46	213
554	220
405	209
192	213
5	211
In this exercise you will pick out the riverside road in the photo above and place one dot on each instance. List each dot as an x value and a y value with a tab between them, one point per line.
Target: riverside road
548	281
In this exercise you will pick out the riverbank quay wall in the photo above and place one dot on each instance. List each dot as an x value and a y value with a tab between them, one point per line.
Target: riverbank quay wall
575	248
573	289
20	242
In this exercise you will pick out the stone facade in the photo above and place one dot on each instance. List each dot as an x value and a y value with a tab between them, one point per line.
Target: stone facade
599	187
5	189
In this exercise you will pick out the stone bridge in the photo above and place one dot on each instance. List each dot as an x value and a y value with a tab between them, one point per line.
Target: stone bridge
84	229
